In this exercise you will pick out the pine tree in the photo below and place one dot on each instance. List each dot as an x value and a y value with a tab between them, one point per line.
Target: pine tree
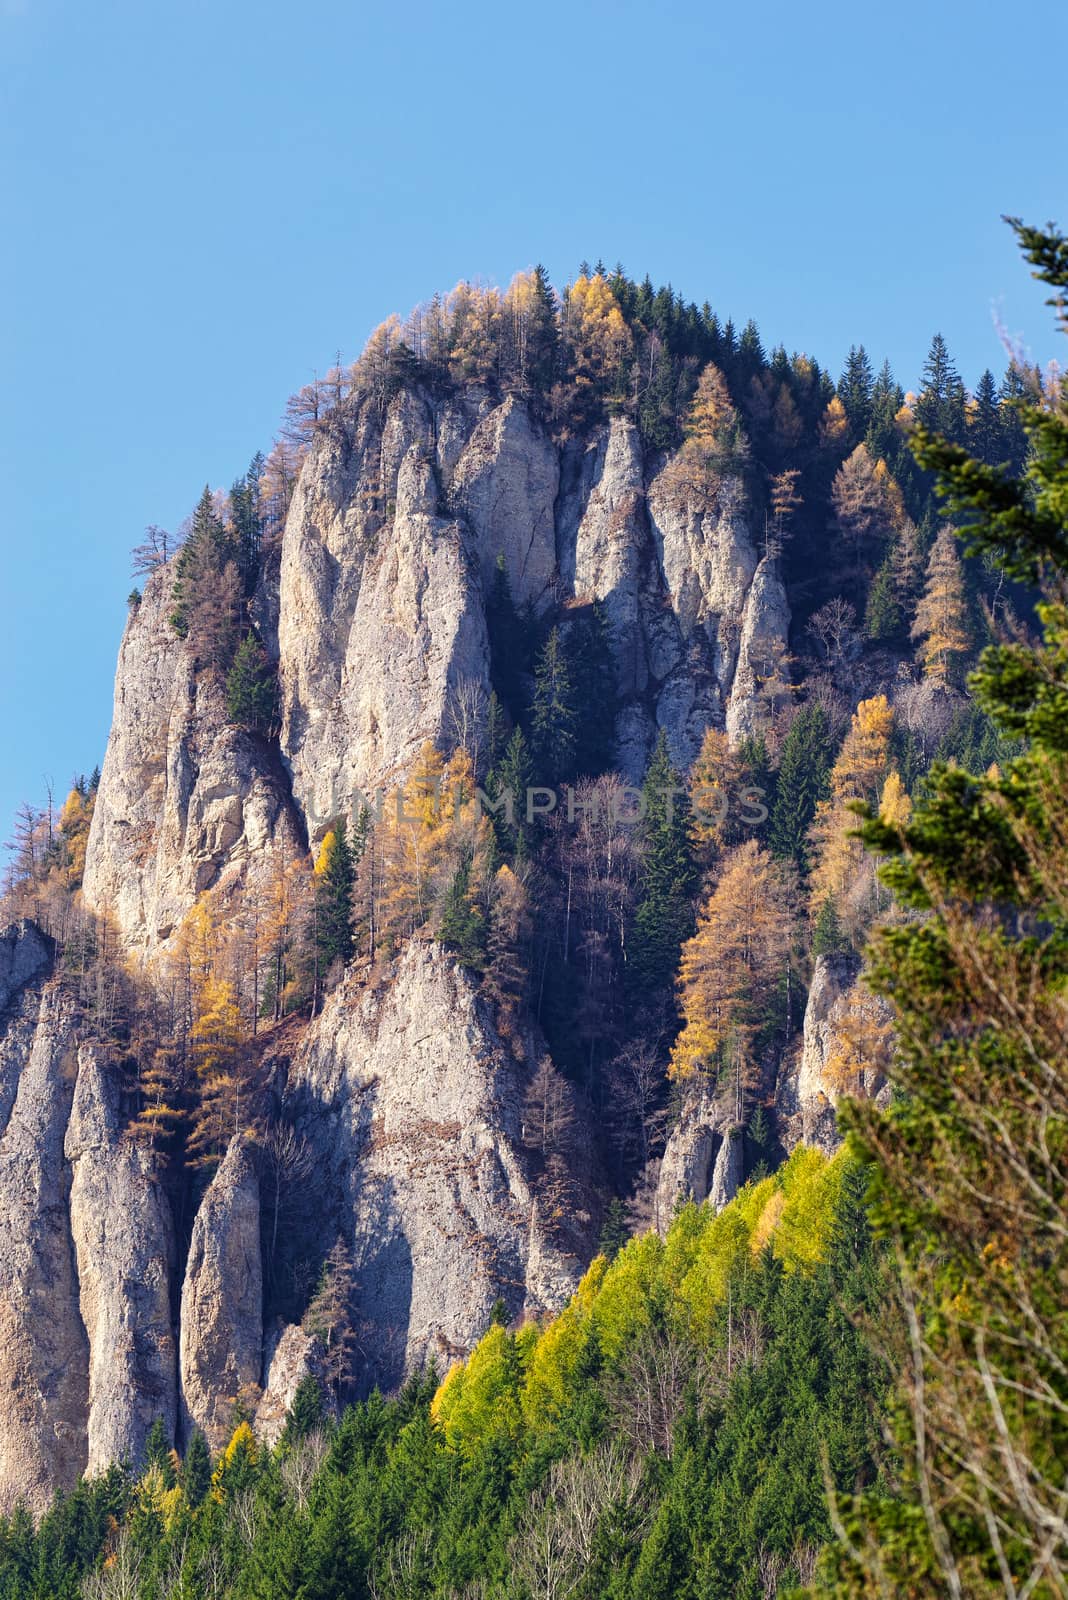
968	1170
882	612
553	716
593	676
334	879
664	916
251	688
940	405
196	1469
804	771
306	1414
985	439
941	623
855	391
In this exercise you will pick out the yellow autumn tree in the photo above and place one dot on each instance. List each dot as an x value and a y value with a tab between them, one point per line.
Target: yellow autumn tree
598	339
941	624
859	774
834	426
473	317
731	971
715	779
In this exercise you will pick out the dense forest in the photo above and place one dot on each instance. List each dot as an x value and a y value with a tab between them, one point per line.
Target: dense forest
864	1356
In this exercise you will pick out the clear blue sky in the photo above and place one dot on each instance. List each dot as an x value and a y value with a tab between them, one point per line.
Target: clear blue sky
204	199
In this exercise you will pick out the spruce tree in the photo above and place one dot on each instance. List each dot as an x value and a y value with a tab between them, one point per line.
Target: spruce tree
513	776
882	613
807	757
196	1469
664	915
306	1414
554	717
589	650
251	688
158	1452
335	875
855	391
985	439
969	1168
463	924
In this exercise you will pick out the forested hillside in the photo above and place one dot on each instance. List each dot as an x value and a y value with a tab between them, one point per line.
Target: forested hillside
430	1036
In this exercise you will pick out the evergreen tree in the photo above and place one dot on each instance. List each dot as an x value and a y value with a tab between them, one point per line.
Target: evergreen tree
664	915
247	523
882	612
201	560
985	439
251	688
855	388
158	1452
463	923
543	338
335	872
506	640
593	674
196	1469
940	405
968	1169
513	777
804	770
306	1414
829	937
554	716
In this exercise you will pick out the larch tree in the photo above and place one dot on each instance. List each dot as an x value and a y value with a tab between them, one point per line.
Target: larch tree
731	973
941	622
840	868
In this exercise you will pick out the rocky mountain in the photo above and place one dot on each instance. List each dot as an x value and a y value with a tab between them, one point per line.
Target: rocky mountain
117	1304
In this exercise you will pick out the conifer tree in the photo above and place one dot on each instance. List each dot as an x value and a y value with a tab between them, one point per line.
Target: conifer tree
251	688
940	405
334	878
593	675
985	440
855	391
553	715
804	771
506	640
968	1171
941	623
196	1469
664	916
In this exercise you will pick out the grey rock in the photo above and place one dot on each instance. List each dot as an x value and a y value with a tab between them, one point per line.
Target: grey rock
412	1106
124	1246
220	1350
806	1096
44	1358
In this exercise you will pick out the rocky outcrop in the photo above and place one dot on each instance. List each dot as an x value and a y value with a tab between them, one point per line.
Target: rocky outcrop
702	1160
185	799
25	955
412	1107
124	1247
291	1356
813	1081
220	1352
372	637
44	1390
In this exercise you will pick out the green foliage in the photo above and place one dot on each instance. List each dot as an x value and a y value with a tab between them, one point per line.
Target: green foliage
759	1374
664	916
804	771
554	715
251	688
335	875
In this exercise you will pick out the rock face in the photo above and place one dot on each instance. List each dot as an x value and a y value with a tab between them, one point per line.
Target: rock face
702	1161
184	799
44	1389
808	1091
412	1108
221	1344
124	1248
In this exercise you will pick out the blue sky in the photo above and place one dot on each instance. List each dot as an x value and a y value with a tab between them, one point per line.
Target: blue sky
203	201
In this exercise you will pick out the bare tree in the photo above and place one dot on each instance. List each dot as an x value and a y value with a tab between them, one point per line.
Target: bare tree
120	1579
834	628
465	719
155	550
300	1466
648	1395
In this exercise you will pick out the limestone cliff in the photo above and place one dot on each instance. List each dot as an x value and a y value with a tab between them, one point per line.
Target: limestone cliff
412	1107
810	1085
